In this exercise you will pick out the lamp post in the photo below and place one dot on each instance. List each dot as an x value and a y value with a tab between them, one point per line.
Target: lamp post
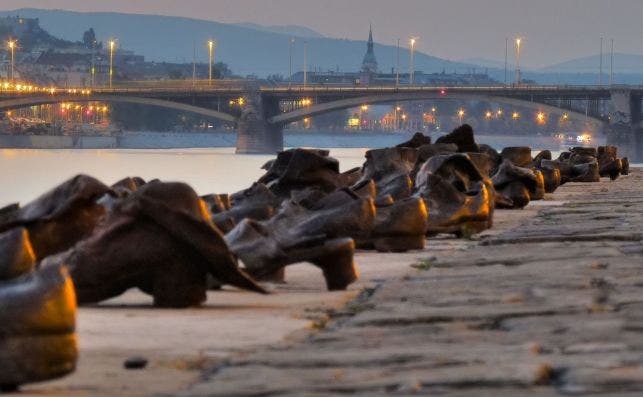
397	66
93	70
600	66
112	44
211	45
412	71
305	63
12	46
290	46
518	41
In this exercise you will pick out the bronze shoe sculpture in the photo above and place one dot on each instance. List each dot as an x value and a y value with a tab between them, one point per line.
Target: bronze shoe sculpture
608	162
61	217
398	227
37	316
626	166
390	169
300	168
256	202
518	155
456	195
160	240
418	139
585	172
551	178
518	184
462	137
265	253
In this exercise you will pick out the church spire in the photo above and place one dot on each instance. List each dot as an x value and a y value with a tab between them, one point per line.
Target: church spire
369	64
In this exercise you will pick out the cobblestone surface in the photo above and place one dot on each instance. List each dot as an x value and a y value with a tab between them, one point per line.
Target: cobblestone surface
553	306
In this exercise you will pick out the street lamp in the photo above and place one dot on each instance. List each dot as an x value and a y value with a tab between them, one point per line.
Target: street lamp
290	46
305	63
211	45
362	109
112	44
518	42
461	114
12	46
412	71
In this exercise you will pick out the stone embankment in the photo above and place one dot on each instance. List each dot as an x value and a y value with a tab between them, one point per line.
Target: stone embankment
552	304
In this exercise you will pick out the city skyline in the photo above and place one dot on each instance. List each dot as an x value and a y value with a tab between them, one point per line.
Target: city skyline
552	31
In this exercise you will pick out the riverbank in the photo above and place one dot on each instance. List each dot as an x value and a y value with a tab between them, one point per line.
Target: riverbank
382	332
292	138
550	305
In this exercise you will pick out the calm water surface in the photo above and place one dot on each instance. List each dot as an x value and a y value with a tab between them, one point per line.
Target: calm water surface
27	173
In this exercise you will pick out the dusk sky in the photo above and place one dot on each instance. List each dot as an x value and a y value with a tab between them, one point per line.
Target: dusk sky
553	30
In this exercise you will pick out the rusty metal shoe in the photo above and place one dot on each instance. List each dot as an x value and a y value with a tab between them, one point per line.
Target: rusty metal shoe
390	169
518	155
585	172
256	202
399	227
61	217
161	240
37	316
456	195
462	137
301	168
626	166
518	184
551	178
418	139
265	252
608	162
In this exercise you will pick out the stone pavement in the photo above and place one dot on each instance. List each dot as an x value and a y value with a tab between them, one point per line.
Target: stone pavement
554	306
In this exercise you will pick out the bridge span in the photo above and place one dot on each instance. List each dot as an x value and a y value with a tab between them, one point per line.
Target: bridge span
257	113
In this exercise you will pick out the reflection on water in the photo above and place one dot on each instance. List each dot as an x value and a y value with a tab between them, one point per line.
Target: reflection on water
26	173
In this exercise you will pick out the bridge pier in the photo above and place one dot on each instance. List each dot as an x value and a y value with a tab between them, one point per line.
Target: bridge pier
624	129
254	134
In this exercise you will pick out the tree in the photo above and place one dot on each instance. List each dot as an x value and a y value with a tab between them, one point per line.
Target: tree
220	70
89	39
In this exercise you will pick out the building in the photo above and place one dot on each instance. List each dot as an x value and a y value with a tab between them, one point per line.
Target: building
370	75
369	64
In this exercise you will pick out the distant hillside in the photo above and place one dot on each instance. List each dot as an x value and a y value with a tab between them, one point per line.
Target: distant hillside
246	50
291	30
623	63
487	63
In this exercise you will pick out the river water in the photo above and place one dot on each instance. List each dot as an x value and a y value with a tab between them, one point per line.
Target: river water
27	173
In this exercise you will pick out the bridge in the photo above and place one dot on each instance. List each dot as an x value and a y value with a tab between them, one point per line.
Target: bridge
259	114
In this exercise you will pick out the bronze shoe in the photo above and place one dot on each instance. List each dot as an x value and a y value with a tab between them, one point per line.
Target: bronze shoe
455	194
61	217
161	240
37	316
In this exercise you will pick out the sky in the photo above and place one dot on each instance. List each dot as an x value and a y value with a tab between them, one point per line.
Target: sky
552	30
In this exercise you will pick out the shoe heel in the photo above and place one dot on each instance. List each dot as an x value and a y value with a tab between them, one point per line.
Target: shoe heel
338	266
399	243
278	277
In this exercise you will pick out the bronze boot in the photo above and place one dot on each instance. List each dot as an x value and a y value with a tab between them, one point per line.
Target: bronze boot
61	217
456	195
161	240
37	316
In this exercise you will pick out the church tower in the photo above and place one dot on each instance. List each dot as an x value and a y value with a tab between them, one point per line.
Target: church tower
369	64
